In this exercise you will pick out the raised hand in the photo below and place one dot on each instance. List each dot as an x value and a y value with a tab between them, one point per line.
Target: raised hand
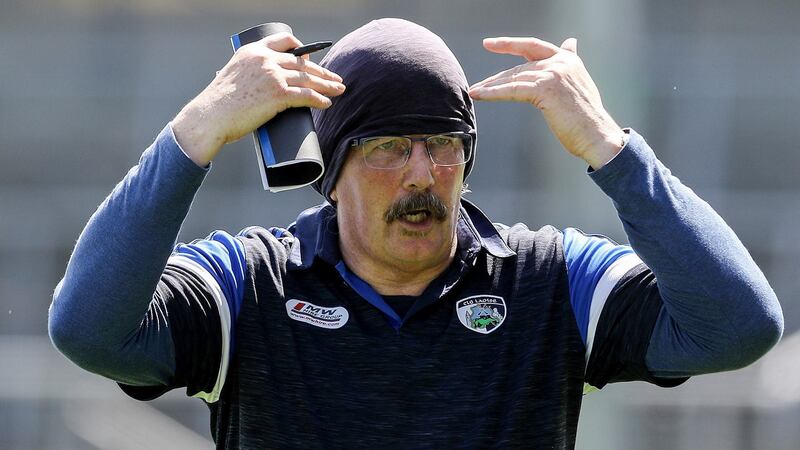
555	80
258	82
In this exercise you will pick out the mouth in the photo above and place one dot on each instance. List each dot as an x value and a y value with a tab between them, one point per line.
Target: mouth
418	210
416	216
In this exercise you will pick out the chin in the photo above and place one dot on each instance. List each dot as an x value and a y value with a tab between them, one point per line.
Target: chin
425	241
414	233
418	246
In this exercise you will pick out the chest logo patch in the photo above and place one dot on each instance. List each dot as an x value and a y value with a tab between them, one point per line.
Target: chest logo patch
481	313
319	316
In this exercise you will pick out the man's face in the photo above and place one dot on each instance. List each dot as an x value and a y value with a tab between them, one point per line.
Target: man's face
415	240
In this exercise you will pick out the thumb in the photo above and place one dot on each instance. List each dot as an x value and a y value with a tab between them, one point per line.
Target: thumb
281	42
570	44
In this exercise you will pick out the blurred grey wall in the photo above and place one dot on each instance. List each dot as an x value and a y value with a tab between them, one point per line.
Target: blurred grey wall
85	86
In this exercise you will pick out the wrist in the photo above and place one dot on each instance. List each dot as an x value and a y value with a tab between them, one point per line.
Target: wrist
606	147
196	136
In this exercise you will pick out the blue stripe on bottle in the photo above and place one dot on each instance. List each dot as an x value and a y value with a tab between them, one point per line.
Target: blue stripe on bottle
266	146
236	42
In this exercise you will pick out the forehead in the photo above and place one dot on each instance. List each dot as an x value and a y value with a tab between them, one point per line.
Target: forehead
412	135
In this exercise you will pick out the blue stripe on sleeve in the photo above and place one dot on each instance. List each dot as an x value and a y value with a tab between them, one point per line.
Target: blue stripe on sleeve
588	258
222	256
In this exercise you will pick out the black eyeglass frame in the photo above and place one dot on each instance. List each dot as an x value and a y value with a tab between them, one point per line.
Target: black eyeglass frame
465	137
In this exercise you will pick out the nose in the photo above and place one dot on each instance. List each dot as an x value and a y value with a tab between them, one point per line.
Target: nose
419	169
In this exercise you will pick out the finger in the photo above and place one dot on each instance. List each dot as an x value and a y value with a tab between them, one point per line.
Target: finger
281	42
529	48
304	79
303	96
531	76
570	44
522	91
289	61
509	73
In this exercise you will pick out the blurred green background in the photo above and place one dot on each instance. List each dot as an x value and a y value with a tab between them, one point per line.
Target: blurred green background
86	85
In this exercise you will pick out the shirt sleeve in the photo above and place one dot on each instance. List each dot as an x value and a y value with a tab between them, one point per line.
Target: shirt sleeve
108	289
697	304
595	265
201	292
615	301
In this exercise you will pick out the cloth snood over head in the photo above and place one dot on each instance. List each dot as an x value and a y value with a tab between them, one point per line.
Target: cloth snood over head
401	79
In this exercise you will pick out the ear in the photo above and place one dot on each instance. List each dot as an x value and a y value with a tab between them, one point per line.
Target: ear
334	197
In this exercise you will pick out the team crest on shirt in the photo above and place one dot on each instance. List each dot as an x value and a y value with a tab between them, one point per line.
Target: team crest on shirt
319	316
481	313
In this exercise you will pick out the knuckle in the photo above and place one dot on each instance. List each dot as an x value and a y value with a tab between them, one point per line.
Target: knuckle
277	37
303	79
246	55
269	71
319	102
557	74
301	64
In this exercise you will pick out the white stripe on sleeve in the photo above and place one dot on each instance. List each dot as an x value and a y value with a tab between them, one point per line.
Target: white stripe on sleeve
605	285
224	319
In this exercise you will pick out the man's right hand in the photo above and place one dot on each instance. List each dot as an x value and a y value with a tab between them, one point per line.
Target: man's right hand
258	82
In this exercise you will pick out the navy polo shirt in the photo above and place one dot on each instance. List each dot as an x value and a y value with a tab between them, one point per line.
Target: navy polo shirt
289	348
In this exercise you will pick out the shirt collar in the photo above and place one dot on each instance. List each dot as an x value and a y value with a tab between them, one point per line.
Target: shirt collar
317	235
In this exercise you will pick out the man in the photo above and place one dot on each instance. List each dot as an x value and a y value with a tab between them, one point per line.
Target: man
397	314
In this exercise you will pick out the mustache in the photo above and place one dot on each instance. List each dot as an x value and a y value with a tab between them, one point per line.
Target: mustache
417	201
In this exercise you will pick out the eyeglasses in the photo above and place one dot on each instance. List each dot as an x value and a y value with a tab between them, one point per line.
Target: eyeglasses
393	152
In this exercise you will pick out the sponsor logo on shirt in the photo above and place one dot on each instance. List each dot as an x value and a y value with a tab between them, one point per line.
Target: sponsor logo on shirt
319	316
481	313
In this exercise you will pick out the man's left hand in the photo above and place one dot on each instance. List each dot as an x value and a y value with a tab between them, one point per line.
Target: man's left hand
555	80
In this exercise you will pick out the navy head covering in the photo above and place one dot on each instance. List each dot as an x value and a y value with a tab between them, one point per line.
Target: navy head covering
401	79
